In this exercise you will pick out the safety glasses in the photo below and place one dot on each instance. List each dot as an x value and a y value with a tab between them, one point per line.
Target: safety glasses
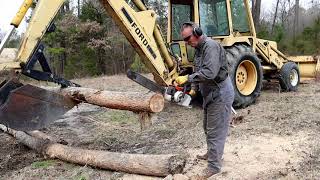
186	39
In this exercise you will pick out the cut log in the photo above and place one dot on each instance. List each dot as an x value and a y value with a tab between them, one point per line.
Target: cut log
132	101
144	104
155	165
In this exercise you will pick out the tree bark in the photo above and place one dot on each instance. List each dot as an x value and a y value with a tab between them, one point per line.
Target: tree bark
78	7
275	17
132	101
296	19
155	165
256	8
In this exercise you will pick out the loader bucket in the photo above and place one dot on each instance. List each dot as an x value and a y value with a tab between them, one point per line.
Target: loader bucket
26	107
309	66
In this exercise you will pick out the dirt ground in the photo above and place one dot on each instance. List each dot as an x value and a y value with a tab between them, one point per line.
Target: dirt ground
276	138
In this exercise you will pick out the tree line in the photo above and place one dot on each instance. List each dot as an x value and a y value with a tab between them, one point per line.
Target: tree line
88	43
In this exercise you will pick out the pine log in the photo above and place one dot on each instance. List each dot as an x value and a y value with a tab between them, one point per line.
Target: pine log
132	101
144	104
155	165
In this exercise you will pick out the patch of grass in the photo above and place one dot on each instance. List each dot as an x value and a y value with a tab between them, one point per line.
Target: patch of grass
165	133
121	116
81	177
118	116
43	164
83	173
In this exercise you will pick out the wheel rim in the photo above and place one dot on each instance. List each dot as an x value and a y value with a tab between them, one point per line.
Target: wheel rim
246	77
294	77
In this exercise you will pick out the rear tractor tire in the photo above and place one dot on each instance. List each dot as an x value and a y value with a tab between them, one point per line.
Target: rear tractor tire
289	77
246	74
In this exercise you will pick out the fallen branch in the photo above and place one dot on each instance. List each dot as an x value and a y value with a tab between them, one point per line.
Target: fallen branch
155	165
40	135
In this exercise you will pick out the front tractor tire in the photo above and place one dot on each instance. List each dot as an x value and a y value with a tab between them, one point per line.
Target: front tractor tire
289	77
246	74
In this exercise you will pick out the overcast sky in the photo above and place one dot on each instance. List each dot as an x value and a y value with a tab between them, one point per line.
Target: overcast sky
10	7
7	12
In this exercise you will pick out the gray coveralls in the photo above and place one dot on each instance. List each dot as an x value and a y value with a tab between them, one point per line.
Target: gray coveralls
211	74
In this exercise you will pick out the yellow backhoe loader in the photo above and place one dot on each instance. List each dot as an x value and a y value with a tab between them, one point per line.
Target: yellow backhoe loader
25	107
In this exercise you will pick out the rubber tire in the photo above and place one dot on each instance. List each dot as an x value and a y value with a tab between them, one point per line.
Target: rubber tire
235	56
284	78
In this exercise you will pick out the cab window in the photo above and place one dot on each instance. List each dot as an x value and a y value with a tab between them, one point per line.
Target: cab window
239	16
214	17
180	13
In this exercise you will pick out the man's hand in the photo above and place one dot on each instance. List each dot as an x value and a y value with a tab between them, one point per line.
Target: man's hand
192	92
181	80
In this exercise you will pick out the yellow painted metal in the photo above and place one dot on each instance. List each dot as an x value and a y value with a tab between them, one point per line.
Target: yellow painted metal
195	17
183	49
196	13
146	38
157	35
228	3
42	16
246	77
268	50
269	68
250	19
9	66
141	31
303	58
274	48
309	66
139	5
229	41
21	13
163	49
187	57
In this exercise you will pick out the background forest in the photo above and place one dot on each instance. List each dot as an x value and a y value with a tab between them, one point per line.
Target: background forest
88	43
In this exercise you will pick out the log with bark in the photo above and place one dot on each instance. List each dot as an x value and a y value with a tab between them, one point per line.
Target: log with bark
144	104
155	165
131	101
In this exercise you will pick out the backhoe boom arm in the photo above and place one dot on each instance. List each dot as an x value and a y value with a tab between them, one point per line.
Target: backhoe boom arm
139	27
142	31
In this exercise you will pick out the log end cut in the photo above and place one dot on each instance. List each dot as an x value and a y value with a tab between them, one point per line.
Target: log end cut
156	103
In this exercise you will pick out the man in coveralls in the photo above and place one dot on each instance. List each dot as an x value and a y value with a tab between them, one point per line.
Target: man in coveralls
212	80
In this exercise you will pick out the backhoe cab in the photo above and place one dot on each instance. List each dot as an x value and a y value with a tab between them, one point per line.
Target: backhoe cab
250	59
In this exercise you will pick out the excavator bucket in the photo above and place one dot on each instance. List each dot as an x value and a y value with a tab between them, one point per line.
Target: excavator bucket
26	107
